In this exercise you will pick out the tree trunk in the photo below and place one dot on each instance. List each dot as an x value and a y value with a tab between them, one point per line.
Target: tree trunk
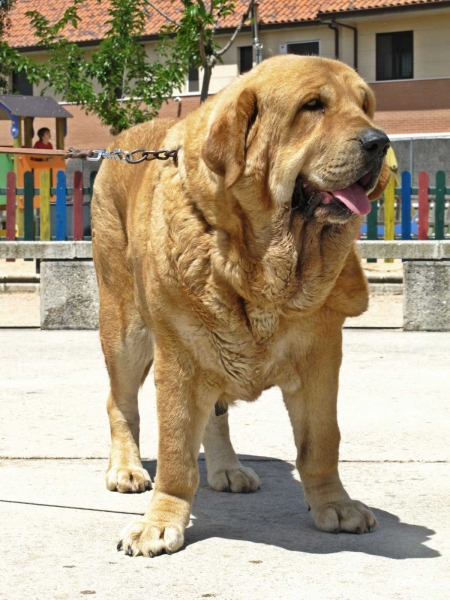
205	86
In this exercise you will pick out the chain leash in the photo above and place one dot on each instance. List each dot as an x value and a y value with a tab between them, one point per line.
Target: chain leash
124	155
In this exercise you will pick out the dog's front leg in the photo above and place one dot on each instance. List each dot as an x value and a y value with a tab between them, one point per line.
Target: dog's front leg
183	406
313	414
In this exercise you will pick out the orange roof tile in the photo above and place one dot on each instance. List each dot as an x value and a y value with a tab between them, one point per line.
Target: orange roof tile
341	6
93	15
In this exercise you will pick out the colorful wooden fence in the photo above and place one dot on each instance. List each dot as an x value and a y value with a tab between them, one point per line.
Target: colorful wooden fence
21	224
416	205
424	212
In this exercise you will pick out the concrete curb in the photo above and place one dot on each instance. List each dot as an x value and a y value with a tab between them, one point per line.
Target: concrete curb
409	250
19	288
46	250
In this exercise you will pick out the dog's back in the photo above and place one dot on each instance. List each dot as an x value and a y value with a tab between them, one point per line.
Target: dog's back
118	181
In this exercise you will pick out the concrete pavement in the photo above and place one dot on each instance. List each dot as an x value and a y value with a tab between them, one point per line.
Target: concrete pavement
59	523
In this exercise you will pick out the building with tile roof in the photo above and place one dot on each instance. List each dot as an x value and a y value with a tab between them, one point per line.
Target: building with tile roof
400	47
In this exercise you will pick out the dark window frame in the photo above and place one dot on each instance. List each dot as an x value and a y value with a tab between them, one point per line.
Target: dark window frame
19	83
396	75
303	43
193	81
247	48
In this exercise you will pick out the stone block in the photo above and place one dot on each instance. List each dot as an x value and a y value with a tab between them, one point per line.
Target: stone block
69	295
426	295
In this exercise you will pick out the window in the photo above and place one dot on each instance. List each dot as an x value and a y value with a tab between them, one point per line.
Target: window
245	59
21	85
395	55
304	48
193	80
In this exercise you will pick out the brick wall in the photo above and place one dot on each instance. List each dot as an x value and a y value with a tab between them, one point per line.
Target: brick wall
414	121
413	106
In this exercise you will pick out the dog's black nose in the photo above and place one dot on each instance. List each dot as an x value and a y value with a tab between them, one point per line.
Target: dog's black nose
375	142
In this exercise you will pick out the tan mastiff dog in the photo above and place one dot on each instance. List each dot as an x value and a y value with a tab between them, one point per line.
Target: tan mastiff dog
232	270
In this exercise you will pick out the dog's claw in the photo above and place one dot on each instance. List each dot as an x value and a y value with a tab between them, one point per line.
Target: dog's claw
129	552
148	486
151	554
244	490
358	530
119	546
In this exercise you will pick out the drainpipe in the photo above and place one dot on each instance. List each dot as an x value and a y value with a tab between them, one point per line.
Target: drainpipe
256	43
332	26
355	43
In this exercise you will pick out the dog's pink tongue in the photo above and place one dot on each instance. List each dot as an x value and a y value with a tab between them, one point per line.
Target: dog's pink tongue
355	198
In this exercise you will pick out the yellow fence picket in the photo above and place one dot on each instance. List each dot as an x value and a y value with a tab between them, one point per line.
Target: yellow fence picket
389	212
45	206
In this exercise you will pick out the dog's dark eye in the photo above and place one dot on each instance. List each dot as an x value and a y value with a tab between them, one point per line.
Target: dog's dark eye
314	104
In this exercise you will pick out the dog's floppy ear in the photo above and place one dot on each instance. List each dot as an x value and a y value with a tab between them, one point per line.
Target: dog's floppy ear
382	182
224	150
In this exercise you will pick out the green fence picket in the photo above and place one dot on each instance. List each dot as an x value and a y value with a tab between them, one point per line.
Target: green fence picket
92	177
28	211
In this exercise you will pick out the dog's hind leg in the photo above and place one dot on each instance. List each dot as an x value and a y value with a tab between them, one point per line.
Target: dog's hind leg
128	349
225	472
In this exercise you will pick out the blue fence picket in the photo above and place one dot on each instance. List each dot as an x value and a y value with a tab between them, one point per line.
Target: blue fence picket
439	206
61	206
406	205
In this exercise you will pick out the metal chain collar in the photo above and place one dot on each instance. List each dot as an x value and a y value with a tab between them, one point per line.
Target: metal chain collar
123	155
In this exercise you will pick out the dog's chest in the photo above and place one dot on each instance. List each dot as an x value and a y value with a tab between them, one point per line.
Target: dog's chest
246	353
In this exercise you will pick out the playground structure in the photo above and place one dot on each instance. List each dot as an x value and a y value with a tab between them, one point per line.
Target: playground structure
21	111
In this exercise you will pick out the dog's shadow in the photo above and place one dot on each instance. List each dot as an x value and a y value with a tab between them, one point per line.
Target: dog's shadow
277	515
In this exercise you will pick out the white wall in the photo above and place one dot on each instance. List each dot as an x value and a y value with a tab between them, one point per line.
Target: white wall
431	45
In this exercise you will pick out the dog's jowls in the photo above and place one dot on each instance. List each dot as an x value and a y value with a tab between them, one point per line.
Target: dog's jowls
233	270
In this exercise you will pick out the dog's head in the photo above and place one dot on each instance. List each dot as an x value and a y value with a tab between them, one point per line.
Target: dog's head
299	131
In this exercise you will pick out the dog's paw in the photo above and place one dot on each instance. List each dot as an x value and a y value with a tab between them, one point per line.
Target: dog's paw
151	538
240	480
350	516
128	480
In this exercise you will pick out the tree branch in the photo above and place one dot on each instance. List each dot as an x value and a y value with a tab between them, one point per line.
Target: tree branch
162	13
201	47
217	16
238	29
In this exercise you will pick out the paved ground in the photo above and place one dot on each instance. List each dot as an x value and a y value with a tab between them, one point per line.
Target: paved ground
59	524
19	309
